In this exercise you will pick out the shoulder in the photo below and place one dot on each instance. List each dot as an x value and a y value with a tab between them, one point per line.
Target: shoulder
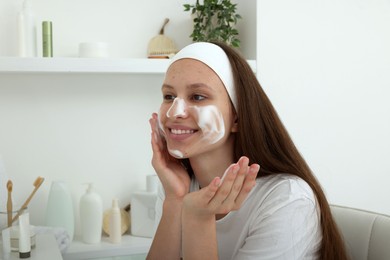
284	185
274	192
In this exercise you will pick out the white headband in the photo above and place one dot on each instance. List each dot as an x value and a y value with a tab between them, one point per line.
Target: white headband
215	57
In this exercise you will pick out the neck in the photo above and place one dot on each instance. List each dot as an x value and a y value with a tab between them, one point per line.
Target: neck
209	165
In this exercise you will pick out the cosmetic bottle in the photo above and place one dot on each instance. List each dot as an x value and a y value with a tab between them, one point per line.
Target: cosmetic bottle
27	31
47	39
91	216
143	209
115	223
24	236
59	209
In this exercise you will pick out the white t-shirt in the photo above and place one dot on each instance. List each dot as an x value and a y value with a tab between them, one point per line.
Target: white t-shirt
278	220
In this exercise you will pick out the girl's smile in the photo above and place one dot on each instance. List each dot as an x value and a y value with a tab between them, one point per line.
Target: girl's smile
180	133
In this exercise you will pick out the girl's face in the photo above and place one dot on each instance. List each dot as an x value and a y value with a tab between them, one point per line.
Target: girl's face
196	115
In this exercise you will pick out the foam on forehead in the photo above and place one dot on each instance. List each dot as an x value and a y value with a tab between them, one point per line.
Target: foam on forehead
213	56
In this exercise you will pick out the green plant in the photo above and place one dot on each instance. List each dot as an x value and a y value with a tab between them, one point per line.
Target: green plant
214	20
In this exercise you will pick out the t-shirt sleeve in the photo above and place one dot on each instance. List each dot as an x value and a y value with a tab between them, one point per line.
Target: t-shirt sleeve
284	226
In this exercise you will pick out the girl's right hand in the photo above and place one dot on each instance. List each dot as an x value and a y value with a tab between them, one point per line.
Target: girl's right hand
173	176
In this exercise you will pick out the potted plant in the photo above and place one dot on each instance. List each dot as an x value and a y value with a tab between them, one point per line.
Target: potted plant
214	20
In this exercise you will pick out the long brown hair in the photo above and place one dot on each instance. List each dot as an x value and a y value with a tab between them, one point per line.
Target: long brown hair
263	138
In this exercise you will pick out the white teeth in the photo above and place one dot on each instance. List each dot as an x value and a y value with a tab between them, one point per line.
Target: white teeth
181	132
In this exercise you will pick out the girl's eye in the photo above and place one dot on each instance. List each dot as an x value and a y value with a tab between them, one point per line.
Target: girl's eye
169	97
198	97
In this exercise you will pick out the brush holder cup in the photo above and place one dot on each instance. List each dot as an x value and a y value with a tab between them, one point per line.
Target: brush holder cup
4	217
14	228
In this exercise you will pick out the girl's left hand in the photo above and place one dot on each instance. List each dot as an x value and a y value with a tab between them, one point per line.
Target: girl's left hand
224	194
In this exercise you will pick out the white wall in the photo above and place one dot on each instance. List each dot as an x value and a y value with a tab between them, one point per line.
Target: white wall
127	25
325	65
89	127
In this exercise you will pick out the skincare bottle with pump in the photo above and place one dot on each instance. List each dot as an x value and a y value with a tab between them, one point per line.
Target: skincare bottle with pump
27	31
115	223
91	216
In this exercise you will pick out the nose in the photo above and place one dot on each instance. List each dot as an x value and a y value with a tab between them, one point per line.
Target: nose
178	108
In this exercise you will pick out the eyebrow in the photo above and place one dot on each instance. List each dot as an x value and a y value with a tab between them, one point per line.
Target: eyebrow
199	86
191	86
166	86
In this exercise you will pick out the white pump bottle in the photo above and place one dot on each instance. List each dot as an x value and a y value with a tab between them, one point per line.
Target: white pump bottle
91	216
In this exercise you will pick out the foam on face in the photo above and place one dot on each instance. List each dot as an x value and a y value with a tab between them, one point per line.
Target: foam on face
209	120
176	154
178	108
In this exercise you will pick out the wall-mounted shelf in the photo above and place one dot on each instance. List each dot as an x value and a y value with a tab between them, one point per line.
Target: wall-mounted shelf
82	65
86	65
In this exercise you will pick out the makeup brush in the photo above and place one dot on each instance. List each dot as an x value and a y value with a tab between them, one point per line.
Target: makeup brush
37	183
9	202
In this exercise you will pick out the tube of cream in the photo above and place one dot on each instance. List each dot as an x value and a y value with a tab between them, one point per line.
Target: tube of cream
24	236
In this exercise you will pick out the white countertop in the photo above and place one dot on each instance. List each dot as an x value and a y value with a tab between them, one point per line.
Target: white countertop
46	248
129	246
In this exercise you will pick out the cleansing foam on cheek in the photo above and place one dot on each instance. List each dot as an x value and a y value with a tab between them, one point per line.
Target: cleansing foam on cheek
159	124
175	153
210	120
